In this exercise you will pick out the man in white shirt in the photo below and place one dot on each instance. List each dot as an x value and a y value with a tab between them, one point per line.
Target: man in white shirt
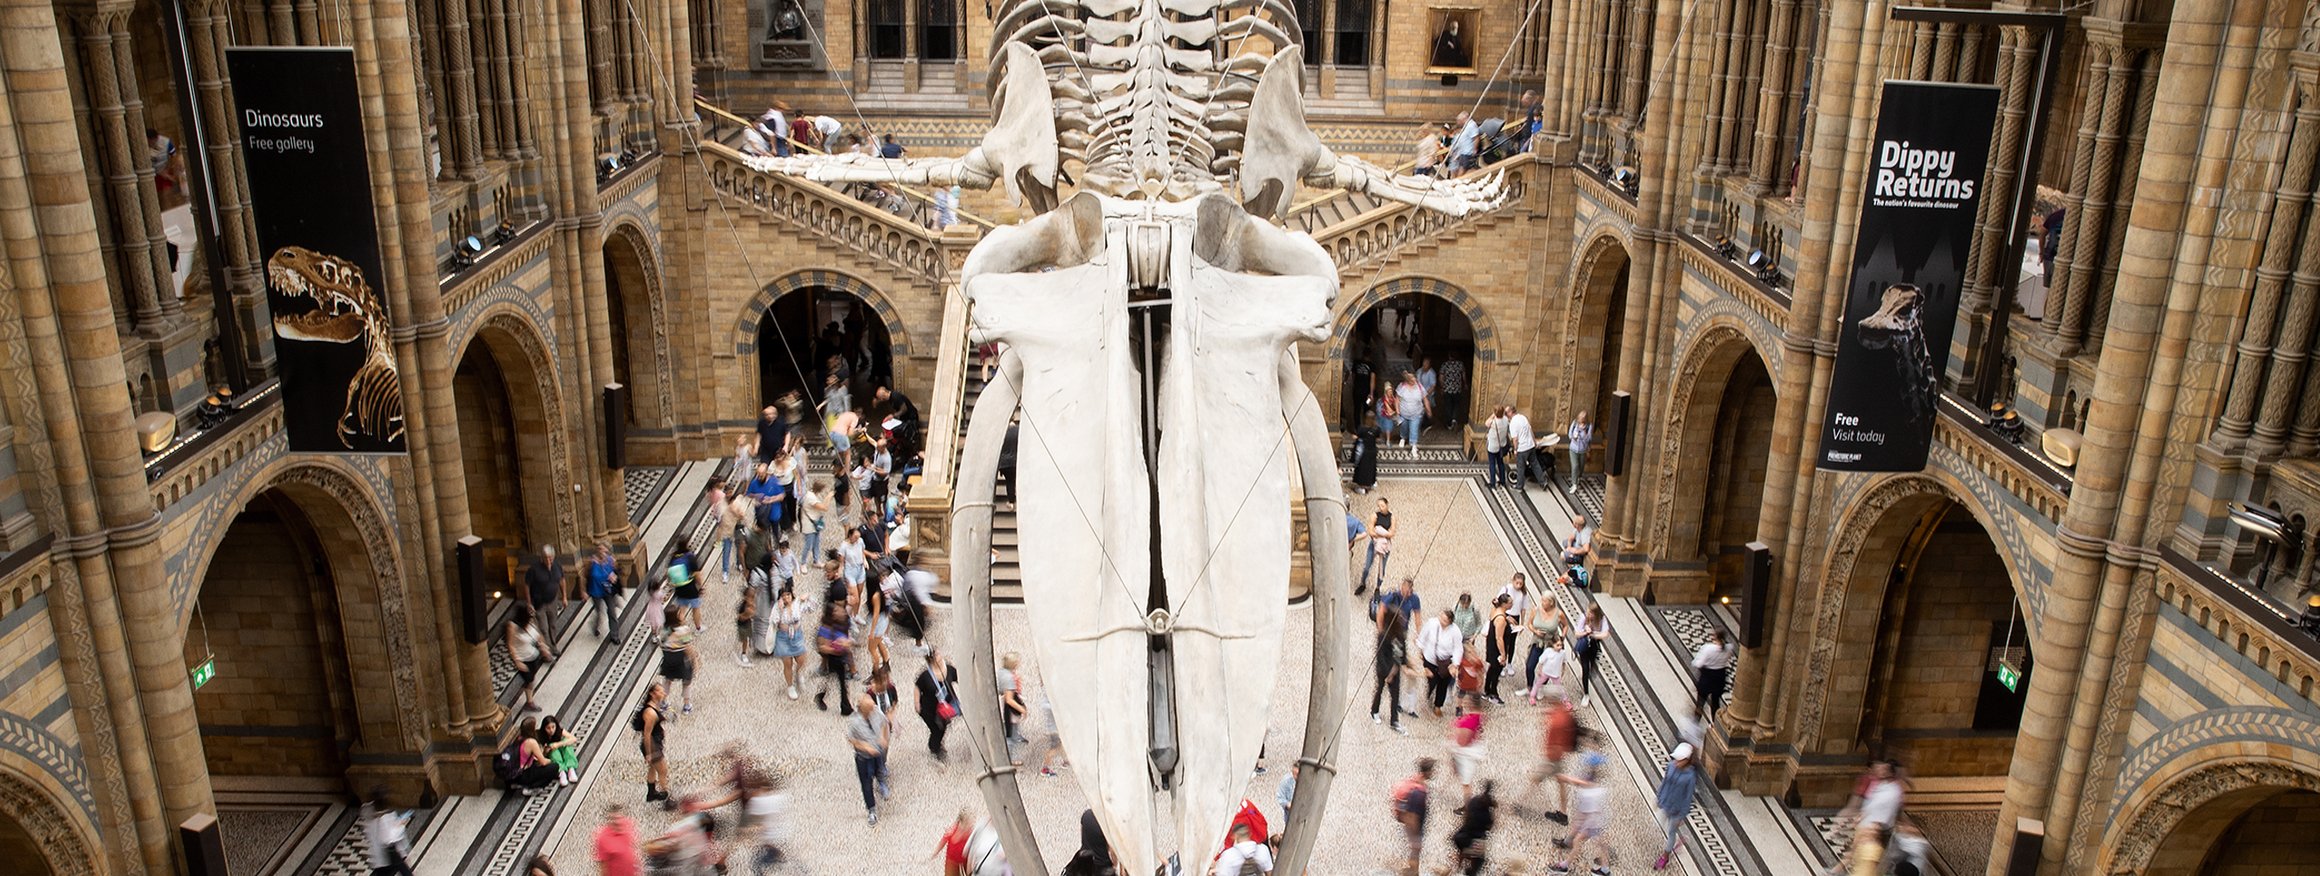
829	129
1440	646
1243	853
1711	669
1518	430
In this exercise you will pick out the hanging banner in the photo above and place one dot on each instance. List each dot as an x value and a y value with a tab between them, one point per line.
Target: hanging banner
1917	224
301	126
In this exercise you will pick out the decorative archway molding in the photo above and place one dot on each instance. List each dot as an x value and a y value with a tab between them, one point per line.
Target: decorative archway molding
2203	800
1582	352
1886	509
1706	365
347	511
628	233
522	349
753	313
70	844
1350	309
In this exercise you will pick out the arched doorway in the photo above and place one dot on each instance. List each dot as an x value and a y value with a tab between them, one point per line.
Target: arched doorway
2228	816
1938	700
21	850
37	837
267	625
1714	471
639	349
503	428
804	328
1593	337
1408	333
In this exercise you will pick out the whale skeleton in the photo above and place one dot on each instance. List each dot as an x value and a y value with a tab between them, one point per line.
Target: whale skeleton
1149	322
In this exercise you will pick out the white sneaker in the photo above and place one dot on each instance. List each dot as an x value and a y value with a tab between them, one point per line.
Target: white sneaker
793	692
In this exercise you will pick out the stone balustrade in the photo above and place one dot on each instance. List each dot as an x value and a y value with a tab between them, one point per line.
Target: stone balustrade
1362	242
2243	620
2040	484
828	214
182	470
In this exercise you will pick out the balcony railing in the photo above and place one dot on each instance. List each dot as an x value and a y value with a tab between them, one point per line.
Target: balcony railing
2243	619
913	205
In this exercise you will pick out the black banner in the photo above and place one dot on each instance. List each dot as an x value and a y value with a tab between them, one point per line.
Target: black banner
1917	223
301	124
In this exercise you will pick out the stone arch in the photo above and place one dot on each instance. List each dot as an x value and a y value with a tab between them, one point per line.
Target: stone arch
1695	414
68	845
632	279
2182	819
1850	602
356	535
1350	309
745	327
523	354
1589	361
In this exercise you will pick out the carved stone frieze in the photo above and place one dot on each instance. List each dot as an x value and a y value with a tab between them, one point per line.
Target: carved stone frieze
2164	811
65	847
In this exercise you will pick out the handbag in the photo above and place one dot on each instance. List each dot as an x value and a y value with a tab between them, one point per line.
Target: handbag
942	699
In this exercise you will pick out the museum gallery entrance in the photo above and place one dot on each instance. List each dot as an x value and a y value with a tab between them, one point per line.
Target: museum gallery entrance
804	328
274	689
1410	333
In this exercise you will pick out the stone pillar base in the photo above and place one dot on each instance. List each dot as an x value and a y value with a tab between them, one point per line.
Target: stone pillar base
406	784
1680	584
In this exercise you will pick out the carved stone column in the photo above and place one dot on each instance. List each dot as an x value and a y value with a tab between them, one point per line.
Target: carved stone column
2291	202
1785	66
124	173
1752	749
210	31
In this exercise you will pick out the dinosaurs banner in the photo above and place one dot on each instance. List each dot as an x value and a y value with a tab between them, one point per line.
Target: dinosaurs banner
1917	223
301	125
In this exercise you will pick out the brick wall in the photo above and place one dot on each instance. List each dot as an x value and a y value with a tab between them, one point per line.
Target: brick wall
268	711
2280	837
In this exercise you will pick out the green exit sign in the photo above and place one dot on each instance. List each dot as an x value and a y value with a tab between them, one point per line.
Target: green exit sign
204	671
2010	676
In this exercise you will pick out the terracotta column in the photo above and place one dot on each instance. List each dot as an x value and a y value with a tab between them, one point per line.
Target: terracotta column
117	125
2155	303
45	218
1830	208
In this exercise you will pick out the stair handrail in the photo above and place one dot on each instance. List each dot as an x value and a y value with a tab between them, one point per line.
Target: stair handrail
1351	255
922	198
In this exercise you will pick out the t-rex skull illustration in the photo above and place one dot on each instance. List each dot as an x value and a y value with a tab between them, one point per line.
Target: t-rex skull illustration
342	310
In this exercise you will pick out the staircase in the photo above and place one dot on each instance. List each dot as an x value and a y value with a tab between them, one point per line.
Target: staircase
1312	217
1007	568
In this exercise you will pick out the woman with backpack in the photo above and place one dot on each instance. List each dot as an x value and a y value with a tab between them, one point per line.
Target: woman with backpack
651	724
531	771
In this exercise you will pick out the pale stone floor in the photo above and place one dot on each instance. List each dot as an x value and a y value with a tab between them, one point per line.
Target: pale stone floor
1447	542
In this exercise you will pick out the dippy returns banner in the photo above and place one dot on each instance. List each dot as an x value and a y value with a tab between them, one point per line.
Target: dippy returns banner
1917	224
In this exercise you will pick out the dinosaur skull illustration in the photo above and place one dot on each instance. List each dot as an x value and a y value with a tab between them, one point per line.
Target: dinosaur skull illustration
341	308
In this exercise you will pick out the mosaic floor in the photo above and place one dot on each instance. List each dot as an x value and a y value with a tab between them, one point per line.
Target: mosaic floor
1453	541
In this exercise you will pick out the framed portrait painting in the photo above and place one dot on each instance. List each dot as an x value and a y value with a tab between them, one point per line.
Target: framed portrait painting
1452	39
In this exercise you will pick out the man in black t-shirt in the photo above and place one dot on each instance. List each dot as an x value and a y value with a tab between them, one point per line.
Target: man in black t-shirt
772	433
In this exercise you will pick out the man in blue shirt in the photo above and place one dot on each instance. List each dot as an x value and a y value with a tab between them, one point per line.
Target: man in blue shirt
887	148
1403	602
